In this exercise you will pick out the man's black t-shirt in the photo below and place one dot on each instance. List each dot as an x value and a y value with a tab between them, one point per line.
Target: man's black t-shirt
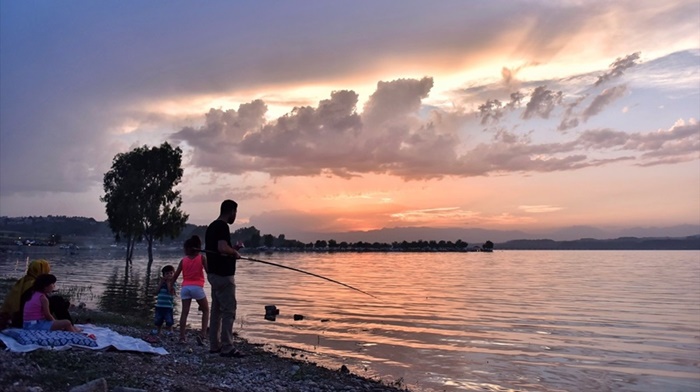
218	264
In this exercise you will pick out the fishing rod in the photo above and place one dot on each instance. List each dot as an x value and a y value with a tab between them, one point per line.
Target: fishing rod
293	269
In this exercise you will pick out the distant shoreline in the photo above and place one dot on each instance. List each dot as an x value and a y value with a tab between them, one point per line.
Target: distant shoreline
626	243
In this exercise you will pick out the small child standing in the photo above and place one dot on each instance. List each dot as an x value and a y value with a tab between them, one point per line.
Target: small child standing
37	315
164	300
193	266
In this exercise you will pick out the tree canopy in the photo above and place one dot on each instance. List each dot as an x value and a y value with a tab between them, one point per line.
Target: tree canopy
140	197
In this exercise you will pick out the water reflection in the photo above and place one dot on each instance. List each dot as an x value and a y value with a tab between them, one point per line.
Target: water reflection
127	293
516	320
77	293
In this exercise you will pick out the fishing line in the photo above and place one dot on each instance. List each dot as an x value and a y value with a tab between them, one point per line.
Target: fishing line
294	269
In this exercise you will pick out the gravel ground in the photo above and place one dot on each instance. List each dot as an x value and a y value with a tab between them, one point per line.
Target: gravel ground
189	367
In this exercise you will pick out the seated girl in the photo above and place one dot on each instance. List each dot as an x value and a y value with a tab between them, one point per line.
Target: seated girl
37	315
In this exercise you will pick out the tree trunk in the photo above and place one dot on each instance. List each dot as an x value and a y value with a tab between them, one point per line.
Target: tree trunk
149	239
150	253
128	251
131	250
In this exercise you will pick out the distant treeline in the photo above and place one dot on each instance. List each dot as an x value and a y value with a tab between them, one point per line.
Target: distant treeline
41	226
63	229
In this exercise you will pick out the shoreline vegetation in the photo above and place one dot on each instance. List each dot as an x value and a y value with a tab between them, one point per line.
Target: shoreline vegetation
625	243
72	234
187	367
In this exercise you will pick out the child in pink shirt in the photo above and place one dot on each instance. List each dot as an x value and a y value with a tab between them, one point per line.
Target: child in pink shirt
193	266
36	312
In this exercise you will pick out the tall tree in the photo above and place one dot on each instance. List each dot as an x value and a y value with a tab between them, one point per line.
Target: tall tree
141	202
122	188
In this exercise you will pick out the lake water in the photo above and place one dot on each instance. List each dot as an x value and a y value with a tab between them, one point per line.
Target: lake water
502	321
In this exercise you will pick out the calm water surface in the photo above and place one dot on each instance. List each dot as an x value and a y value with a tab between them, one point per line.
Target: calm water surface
506	321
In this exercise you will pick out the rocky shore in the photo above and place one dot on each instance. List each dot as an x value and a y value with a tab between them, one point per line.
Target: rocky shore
188	367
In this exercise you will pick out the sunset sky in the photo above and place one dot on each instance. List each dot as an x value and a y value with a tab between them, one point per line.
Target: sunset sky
333	116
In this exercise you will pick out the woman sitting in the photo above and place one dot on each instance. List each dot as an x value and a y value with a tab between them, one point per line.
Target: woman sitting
11	311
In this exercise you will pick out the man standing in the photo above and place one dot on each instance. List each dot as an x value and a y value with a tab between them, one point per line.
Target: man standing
222	267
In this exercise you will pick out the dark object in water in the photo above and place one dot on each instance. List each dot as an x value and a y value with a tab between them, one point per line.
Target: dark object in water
298	317
271	312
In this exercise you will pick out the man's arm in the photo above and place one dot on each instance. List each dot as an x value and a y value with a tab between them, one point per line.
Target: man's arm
225	249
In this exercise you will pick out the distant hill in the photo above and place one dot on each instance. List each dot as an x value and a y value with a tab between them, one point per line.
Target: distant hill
479	236
389	235
623	243
40	228
578	232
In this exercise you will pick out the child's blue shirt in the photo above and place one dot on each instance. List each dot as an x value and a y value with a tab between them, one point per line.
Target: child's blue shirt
164	299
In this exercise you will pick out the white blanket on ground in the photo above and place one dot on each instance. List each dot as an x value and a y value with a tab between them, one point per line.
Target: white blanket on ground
105	338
